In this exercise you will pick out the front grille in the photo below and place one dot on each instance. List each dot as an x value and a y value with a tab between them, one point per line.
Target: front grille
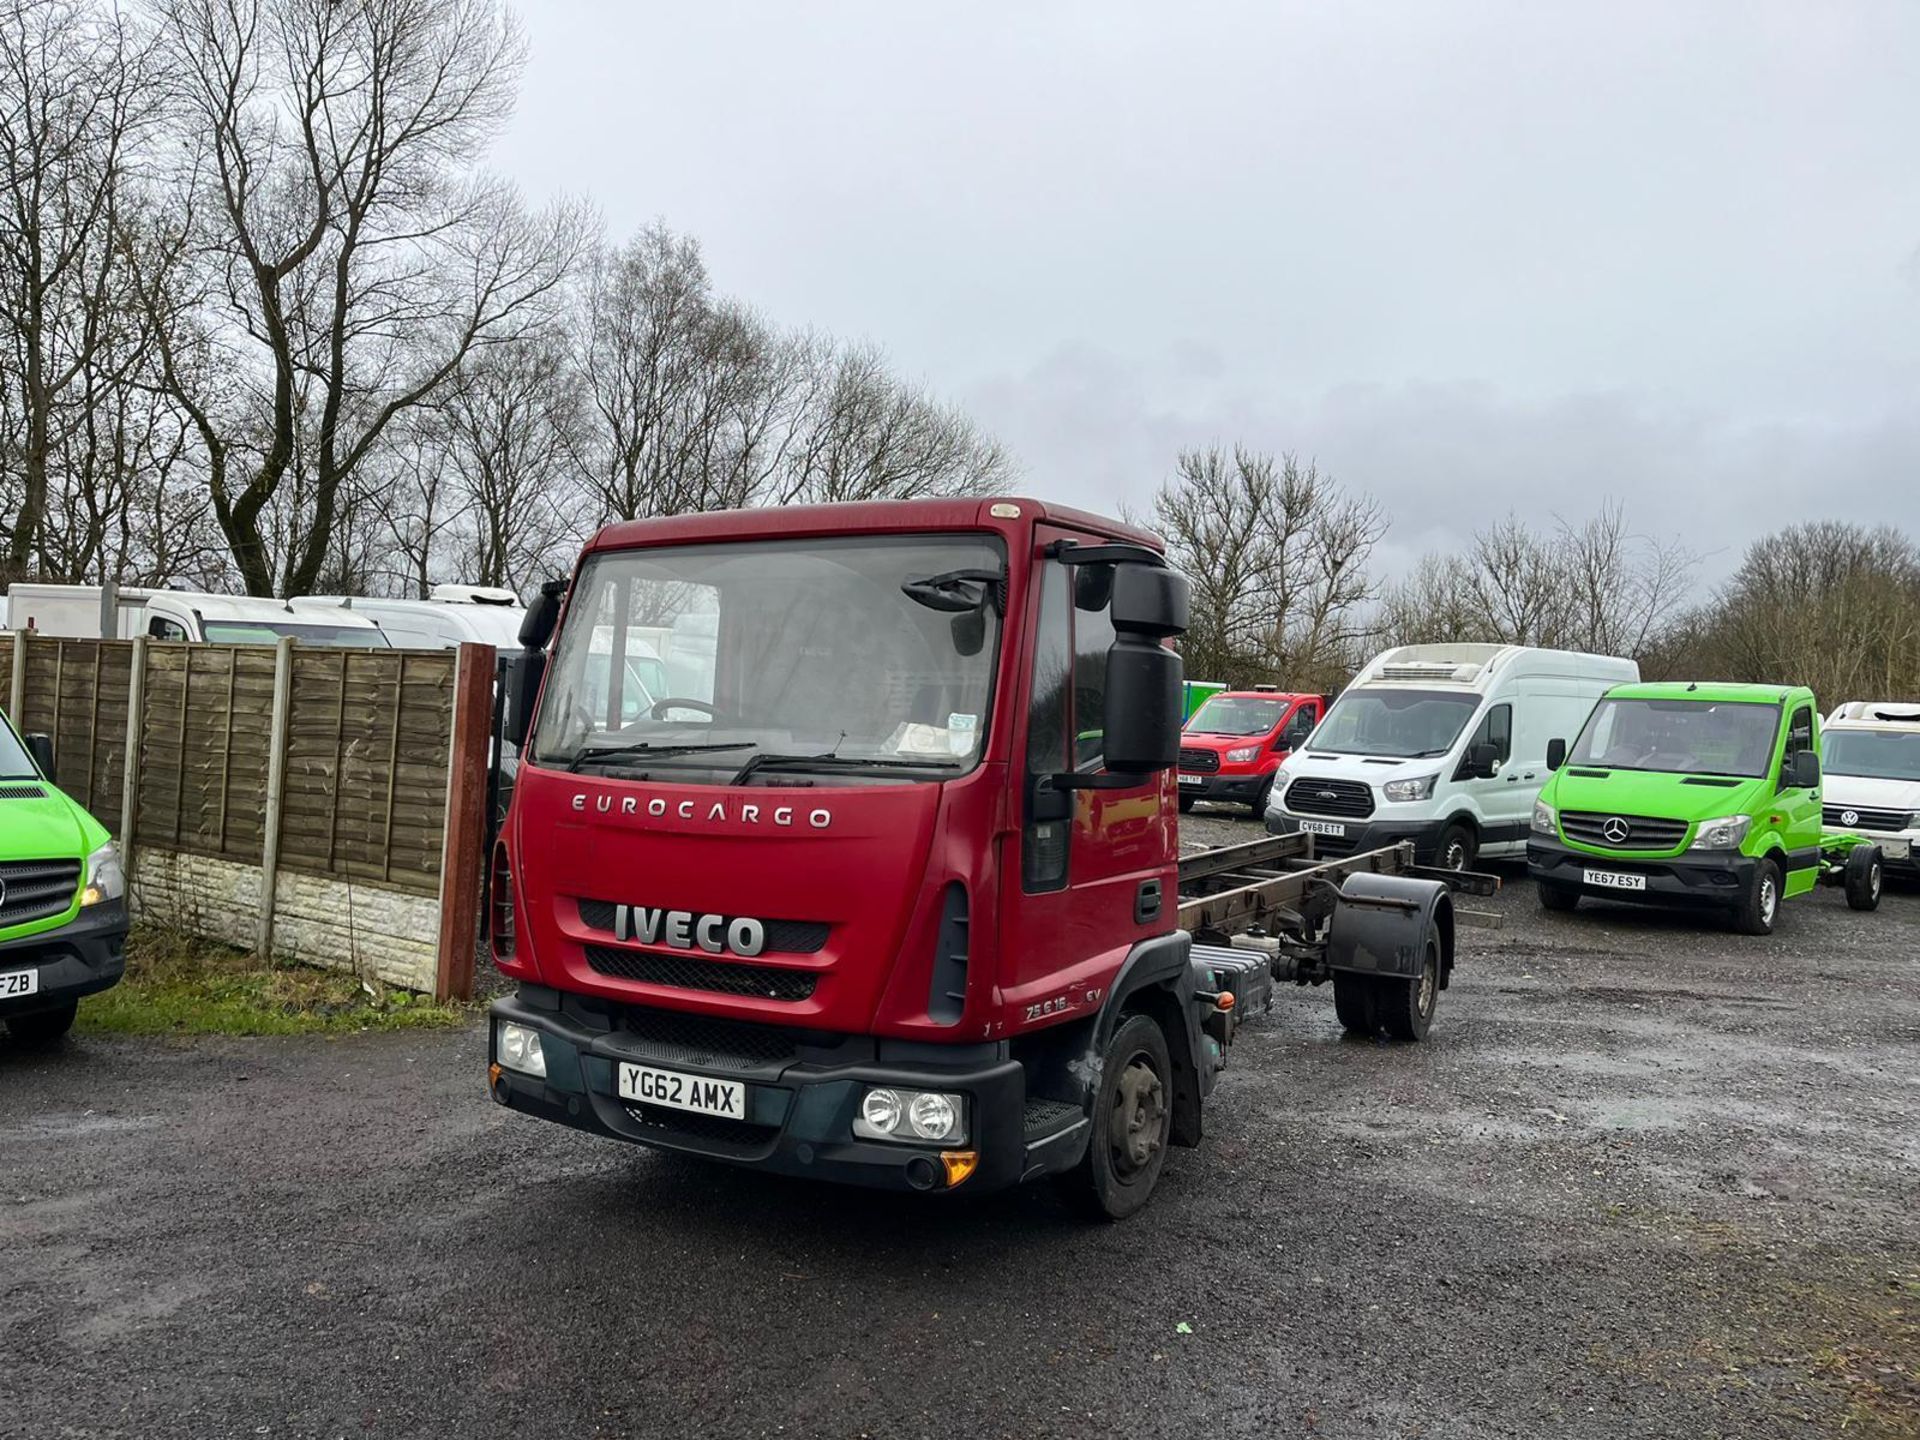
1643	832
1310	795
1865	819
22	792
727	1137
705	1043
1199	762
789	937
36	889
685	972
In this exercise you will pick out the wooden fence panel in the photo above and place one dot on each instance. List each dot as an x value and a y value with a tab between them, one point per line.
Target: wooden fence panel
76	692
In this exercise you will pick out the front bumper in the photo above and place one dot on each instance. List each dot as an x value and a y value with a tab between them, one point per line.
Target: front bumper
1235	789
1373	833
85	955
1711	878
802	1092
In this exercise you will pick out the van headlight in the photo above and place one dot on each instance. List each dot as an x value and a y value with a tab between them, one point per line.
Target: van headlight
1723	834
1245	755
1416	789
106	879
1545	820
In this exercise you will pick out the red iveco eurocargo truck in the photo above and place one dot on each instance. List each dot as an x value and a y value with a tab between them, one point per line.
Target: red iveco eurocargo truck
844	843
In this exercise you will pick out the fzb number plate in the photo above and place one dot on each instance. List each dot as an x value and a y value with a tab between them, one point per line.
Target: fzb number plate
647	1086
16	983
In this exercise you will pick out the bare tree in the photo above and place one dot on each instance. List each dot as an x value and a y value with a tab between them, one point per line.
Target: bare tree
354	255
1277	554
75	94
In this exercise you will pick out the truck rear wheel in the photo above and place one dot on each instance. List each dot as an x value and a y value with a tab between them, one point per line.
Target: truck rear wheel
1404	1008
1353	1001
1132	1119
1760	906
44	1027
1863	877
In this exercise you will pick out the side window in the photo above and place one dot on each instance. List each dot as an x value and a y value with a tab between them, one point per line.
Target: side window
1497	731
1043	849
1799	738
1299	726
1092	638
161	628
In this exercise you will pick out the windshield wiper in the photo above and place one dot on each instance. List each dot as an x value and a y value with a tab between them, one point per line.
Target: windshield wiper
647	747
827	760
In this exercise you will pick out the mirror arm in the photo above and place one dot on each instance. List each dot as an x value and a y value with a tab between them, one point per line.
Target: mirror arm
1105	780
1067	552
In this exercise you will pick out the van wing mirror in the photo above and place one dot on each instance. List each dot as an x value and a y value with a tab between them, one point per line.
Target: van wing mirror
40	747
1556	754
524	672
1483	760
1804	772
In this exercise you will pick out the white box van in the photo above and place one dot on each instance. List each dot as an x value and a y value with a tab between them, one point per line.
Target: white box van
1443	745
1870	777
455	615
182	615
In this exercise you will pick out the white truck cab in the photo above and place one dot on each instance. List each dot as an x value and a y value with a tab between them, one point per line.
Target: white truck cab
1870	776
454	615
1443	745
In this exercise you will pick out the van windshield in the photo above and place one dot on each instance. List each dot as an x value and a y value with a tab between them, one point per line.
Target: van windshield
1872	754
866	656
262	632
1235	715
1684	737
15	763
1404	724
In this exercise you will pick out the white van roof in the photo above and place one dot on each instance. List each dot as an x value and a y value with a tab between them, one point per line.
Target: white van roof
449	620
1877	715
1475	665
252	609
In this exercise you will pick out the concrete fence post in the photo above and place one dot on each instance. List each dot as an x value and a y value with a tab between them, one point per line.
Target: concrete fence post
130	765
276	790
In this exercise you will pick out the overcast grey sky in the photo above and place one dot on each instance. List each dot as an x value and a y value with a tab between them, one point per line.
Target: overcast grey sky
1473	257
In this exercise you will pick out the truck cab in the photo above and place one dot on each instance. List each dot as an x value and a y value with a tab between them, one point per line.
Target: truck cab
1232	745
1688	794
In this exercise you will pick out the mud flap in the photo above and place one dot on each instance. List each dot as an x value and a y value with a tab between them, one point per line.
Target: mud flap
1381	922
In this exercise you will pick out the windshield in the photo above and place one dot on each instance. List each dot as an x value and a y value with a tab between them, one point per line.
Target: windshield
833	657
1872	754
1235	715
264	632
15	763
1685	737
1404	724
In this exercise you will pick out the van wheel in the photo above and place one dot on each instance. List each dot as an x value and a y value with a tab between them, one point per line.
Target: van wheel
1760	908
1404	1008
1353	1001
1863	877
1260	802
1186	803
1558	897
1456	848
44	1027
1132	1120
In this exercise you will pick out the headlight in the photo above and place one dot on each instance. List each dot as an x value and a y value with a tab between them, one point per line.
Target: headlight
105	878
912	1116
520	1050
1545	822
1245	755
1721	834
1418	789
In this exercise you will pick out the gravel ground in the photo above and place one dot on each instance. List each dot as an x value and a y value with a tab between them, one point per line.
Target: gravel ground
1645	1179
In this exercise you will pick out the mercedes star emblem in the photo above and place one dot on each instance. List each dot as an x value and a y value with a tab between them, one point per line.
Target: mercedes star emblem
1614	830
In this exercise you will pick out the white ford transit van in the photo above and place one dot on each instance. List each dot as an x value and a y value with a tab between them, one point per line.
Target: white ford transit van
1443	745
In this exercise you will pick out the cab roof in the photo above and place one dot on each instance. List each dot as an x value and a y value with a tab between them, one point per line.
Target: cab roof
1710	692
860	517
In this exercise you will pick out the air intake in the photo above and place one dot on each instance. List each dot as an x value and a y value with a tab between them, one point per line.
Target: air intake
22	792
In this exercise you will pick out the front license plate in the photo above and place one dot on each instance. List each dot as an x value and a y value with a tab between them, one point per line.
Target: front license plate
1615	879
647	1086
1323	827
16	983
1192	780
1894	849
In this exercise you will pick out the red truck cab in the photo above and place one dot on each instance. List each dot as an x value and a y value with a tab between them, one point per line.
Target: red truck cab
1233	744
881	888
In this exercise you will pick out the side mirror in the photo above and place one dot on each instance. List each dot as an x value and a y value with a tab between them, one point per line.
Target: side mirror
536	626
1556	754
525	671
1150	601
1804	772
1483	761
1142	720
40	747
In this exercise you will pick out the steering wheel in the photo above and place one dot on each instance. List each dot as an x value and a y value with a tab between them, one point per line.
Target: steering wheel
659	708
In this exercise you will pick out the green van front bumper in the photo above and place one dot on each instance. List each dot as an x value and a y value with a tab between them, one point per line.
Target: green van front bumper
87	954
1716	878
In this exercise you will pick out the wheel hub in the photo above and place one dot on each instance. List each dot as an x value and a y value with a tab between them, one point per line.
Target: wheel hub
1767	900
1139	1109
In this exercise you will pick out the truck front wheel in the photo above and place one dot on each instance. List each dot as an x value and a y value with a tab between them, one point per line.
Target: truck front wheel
1760	906
1132	1118
1863	877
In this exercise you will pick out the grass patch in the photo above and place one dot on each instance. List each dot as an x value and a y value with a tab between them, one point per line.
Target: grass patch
180	985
